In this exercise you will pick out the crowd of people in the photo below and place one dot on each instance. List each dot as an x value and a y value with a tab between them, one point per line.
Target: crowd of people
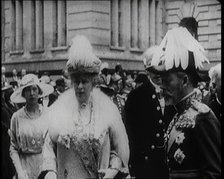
94	122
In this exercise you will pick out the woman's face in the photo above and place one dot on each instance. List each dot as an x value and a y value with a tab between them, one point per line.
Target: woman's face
31	94
83	85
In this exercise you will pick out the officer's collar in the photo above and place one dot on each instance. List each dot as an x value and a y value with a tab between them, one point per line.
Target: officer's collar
185	102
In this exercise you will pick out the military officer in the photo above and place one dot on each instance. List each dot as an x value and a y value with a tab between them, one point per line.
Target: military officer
145	124
193	136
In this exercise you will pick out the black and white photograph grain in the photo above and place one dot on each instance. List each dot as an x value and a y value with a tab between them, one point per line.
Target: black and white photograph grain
111	89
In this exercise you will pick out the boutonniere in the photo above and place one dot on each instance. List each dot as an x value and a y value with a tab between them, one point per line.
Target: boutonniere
180	138
179	156
64	140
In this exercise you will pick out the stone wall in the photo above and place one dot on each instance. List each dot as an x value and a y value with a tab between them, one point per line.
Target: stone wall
120	30
208	15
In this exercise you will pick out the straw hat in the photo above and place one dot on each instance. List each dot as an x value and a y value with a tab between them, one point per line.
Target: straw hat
179	51
81	57
29	80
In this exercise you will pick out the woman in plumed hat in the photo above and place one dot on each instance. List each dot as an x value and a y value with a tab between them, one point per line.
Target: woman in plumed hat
193	136
28	127
85	125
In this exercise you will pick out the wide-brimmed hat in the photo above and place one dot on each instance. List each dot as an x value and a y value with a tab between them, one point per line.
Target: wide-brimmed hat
81	57
179	51
29	80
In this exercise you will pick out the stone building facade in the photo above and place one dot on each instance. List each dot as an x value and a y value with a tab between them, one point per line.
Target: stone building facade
36	35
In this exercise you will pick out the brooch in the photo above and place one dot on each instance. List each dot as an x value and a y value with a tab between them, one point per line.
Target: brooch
179	156
64	140
179	139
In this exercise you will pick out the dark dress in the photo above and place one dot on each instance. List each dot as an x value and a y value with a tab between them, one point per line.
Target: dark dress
145	126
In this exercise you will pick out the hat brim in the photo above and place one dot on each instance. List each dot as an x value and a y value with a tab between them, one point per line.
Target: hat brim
160	69
16	97
6	88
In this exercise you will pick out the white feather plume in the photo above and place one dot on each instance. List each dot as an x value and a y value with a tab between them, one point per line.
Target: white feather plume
175	46
81	53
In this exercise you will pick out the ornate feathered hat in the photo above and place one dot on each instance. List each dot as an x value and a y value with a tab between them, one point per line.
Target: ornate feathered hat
81	57
179	51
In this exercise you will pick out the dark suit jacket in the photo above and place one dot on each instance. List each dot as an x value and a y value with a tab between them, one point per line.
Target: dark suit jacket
145	126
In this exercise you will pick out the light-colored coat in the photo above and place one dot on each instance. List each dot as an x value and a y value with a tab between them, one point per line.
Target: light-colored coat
108	129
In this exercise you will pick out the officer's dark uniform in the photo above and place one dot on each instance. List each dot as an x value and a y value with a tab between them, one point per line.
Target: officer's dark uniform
194	142
145	126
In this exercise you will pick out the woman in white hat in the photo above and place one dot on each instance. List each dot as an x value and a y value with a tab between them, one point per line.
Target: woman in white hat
85	127
27	127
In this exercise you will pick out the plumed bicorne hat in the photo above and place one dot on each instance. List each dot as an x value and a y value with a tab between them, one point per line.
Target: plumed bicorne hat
81	58
179	51
29	80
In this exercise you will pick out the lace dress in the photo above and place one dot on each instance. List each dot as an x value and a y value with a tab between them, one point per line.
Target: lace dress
27	138
87	139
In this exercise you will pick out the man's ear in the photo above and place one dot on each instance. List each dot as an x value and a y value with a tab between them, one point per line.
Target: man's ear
185	80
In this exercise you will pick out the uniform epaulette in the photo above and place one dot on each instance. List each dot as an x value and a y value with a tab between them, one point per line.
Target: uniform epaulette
200	107
187	119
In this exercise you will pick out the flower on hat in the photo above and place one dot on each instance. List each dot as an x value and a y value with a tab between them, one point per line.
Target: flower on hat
81	57
174	50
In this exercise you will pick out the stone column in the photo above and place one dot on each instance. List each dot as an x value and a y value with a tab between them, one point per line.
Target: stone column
61	23
143	24
49	24
39	24
134	24
19	25
152	22
114	23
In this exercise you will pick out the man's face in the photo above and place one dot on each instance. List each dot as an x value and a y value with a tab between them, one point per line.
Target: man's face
83	85
156	78
216	84
172	86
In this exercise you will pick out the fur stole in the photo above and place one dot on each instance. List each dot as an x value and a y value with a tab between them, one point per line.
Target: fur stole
64	112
